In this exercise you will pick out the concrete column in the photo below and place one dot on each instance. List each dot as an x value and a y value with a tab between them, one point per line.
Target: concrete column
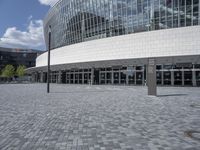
41	77
146	75
83	77
106	77
67	78
172	77
135	76
183	78
112	77
194	79
152	84
78	77
74	73
89	77
143	76
92	76
127	76
36	76
56	76
162	76
99	77
59	76
119	76
199	15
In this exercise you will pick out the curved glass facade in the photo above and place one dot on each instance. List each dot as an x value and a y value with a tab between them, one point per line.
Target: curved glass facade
75	21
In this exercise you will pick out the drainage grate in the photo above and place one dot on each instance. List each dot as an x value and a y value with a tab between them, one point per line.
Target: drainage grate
193	134
195	105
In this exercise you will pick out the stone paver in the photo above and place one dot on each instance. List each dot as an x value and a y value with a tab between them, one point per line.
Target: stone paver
83	117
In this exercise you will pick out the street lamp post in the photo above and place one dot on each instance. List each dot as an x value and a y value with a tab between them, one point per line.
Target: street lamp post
48	67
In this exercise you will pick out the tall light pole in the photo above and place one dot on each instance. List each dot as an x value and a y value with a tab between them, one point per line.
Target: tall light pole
48	67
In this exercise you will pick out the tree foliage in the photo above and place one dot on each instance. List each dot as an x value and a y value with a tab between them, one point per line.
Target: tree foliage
20	70
8	71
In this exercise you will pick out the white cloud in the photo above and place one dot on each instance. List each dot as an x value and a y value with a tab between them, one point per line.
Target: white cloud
48	2
30	18
31	38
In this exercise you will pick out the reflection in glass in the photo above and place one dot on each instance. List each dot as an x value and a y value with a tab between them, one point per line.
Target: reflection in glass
167	77
75	21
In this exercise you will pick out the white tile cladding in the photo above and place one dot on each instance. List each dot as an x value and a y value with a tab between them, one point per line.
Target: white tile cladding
168	42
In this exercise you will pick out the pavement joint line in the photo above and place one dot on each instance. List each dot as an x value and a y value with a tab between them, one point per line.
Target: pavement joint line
124	119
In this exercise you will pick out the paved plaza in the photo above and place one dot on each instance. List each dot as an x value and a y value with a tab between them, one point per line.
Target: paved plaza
84	117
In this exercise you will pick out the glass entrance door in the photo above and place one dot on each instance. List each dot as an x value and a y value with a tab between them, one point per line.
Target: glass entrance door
85	78
177	78
102	78
131	79
96	76
188	78
108	77
76	78
72	78
123	78
67	78
80	78
139	78
159	77
116	77
63	77
167	77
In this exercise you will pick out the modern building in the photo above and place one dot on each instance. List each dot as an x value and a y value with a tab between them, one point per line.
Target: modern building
111	41
16	57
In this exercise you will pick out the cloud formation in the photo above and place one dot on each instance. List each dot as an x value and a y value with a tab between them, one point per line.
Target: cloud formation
48	2
31	38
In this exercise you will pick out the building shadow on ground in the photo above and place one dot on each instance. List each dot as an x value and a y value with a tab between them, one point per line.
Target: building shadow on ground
166	95
82	91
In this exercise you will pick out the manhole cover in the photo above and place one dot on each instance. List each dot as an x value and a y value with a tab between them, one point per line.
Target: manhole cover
193	134
195	105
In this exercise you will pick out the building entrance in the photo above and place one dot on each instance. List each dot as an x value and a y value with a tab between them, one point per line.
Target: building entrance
134	75
96	76
177	78
188	78
116	77
63	77
167	77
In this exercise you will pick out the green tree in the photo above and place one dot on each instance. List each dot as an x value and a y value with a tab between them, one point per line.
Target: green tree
8	71
20	70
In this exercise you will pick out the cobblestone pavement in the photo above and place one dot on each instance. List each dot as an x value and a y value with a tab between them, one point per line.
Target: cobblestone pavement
83	117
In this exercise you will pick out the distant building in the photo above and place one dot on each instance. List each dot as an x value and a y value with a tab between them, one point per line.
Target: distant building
18	57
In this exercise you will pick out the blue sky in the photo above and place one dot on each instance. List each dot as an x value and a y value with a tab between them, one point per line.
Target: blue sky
21	23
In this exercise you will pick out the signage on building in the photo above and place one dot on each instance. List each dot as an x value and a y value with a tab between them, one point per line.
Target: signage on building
188	65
